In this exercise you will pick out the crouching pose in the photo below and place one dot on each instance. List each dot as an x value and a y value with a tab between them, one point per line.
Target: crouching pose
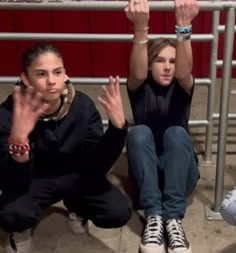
161	157
52	148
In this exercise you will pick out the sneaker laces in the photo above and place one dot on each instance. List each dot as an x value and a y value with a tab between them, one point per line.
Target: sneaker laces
154	230
176	234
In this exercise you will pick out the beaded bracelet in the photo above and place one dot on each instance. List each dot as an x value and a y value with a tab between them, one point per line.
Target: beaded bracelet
18	149
183	30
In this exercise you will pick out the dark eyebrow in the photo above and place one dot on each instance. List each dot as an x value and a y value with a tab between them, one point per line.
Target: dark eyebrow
39	70
59	68
43	70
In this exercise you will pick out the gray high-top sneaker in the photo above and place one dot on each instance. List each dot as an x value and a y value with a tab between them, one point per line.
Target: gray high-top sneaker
78	225
20	242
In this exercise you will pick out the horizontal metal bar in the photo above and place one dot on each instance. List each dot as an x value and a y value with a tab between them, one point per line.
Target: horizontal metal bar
195	123
219	63
93	80
74	80
203	81
91	36
230	116
221	28
192	123
106	5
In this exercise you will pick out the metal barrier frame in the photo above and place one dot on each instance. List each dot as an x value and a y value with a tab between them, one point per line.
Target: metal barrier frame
227	63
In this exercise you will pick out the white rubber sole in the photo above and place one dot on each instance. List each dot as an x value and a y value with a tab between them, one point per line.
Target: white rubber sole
151	249
189	250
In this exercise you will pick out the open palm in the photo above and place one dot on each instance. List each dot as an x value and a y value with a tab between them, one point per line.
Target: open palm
27	109
112	103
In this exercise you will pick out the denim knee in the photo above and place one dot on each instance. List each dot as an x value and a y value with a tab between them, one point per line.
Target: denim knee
15	218
138	136
176	137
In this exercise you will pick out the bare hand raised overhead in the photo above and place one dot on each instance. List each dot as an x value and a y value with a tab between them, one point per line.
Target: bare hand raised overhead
137	11
185	11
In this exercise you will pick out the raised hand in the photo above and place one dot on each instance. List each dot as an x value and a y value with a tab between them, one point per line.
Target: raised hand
137	11
27	109
185	11
112	103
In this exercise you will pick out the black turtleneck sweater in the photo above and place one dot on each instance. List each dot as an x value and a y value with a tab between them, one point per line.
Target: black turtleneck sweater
160	107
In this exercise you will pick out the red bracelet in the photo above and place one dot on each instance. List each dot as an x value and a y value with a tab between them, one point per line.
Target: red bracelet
18	149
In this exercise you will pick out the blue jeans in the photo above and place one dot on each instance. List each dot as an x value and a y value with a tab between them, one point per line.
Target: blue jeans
164	181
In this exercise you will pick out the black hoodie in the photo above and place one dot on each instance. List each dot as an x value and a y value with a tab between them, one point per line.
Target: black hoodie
75	143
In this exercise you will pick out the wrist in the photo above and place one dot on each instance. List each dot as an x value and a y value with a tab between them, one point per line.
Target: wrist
140	38
140	42
183	23
21	159
18	149
183	37
141	28
120	125
19	138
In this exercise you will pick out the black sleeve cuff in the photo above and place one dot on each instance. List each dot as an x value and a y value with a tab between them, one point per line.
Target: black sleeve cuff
114	128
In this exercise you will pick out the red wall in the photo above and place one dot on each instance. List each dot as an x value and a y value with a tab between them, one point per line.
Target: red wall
95	59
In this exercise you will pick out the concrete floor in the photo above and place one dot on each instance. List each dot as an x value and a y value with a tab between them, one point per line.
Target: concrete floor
206	236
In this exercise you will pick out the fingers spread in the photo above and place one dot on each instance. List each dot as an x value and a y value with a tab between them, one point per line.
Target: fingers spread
29	95
106	94
117	85
41	110
36	101
111	87
17	96
104	103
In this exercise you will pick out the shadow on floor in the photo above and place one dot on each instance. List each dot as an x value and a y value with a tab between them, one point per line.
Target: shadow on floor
229	249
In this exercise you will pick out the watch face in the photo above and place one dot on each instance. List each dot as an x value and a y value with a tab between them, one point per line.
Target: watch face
183	37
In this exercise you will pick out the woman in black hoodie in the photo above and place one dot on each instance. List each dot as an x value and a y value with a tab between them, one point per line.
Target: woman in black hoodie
52	148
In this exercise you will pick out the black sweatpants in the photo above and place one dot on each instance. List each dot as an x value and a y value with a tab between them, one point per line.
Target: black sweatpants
93	198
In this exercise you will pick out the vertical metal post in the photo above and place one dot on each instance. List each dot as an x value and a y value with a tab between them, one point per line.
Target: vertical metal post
211	88
224	106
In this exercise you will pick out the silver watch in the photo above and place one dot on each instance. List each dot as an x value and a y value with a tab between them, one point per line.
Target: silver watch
183	37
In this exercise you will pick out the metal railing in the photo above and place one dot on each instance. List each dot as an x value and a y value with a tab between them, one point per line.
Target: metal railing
227	63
